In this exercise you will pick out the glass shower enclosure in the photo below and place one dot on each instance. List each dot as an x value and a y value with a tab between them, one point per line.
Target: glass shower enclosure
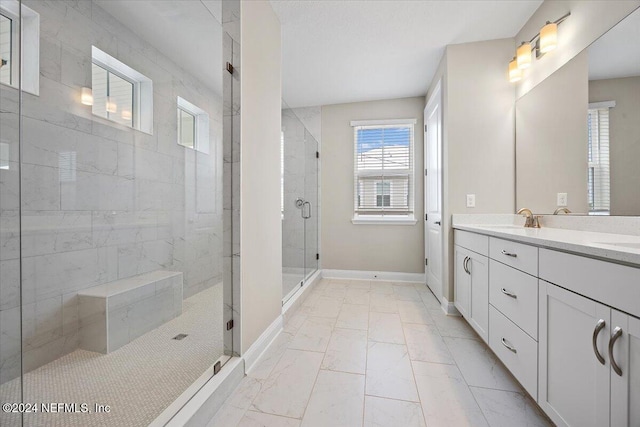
299	203
111	208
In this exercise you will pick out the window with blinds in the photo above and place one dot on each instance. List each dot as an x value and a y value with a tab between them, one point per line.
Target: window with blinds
598	177
383	169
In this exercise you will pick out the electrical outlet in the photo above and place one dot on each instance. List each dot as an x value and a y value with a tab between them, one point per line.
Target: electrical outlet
471	200
562	200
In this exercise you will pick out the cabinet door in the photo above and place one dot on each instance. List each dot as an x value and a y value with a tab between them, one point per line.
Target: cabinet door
462	285
573	386
625	387
479	317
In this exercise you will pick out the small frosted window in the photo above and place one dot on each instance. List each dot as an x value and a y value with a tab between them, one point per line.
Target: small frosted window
112	96
186	128
6	54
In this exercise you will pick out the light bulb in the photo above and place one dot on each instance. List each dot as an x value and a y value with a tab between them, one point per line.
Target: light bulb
515	73
548	37
86	96
112	106
523	55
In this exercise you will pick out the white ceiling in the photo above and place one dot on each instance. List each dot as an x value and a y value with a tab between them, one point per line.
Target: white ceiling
348	51
187	31
617	53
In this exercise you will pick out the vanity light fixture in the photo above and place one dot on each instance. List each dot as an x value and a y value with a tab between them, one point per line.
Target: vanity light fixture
112	105
523	55
548	37
86	96
515	73
543	42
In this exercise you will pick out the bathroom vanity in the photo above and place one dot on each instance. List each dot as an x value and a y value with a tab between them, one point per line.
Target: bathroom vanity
561	309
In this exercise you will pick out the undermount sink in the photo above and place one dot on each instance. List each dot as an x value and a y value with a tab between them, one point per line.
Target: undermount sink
624	245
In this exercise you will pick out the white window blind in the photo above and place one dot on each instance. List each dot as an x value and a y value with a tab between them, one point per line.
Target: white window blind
598	178
383	168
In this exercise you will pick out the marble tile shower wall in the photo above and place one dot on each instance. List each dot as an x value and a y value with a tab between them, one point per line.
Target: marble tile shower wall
129	204
294	187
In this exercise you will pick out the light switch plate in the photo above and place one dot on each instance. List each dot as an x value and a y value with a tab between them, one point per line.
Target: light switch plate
471	200
562	200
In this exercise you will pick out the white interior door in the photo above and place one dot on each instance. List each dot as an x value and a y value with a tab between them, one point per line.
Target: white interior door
433	192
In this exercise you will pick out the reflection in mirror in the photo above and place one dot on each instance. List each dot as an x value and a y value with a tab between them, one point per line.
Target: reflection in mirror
578	131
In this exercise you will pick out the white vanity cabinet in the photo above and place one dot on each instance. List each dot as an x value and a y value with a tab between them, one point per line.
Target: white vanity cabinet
602	385
472	285
567	326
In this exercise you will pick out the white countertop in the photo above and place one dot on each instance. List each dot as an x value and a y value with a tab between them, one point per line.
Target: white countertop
621	248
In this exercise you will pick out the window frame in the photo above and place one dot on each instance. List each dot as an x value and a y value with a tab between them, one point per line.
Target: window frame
383	218
142	103
201	140
599	187
25	66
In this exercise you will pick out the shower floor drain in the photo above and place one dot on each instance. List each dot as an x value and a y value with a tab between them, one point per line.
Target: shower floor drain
180	337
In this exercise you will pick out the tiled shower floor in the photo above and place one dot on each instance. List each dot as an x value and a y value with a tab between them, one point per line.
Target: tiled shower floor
360	353
139	380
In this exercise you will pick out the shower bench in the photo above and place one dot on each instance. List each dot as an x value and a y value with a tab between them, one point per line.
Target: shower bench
114	314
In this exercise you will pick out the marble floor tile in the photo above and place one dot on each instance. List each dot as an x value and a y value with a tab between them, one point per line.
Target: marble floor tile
265	364
347	351
479	366
445	397
360	284
380	287
383	303
385	327
430	300
260	419
295	322
326	307
237	404
507	408
452	326
336	400
353	317
357	296
403	292
414	312
425	344
379	412
389	372
313	335
286	392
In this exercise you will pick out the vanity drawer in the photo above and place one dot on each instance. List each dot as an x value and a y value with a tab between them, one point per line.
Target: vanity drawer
474	242
517	255
612	284
515	294
522	358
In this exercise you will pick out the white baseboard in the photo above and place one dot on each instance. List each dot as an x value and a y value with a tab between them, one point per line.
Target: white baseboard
261	344
449	308
298	298
391	276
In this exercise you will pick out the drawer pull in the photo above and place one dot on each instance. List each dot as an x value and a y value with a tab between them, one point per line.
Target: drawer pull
617	333
509	294
509	254
599	326
510	347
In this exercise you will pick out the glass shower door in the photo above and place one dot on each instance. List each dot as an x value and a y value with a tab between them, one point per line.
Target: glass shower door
311	254
293	203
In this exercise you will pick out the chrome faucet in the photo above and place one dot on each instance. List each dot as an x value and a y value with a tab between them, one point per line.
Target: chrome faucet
559	210
531	221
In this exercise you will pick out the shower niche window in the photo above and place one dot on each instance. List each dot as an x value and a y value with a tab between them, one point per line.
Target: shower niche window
13	16
193	126
120	93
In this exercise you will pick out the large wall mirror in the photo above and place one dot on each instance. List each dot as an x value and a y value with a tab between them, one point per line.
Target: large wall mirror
578	131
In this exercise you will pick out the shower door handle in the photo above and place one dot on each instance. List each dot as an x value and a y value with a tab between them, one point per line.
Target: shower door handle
308	205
